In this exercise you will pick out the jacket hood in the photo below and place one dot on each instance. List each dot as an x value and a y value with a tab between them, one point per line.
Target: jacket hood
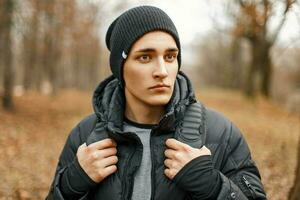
109	102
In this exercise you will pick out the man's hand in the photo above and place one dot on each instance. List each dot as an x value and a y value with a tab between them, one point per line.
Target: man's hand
98	159
179	154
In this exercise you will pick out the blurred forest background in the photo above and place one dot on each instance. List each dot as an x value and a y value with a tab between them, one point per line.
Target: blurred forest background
52	56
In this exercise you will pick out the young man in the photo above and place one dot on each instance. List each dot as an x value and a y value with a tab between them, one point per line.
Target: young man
149	138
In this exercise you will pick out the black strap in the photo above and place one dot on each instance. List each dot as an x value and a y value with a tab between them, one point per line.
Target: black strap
192	129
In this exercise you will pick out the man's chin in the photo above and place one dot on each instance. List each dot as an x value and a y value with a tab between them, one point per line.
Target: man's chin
159	101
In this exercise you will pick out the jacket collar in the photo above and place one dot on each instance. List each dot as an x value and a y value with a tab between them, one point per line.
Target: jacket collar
109	103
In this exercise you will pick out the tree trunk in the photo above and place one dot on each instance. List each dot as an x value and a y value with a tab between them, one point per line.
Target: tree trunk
7	56
32	72
266	72
249	86
52	41
50	62
250	76
266	80
295	190
260	63
236	75
26	53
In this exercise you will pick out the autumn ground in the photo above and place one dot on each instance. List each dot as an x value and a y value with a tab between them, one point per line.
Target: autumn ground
32	137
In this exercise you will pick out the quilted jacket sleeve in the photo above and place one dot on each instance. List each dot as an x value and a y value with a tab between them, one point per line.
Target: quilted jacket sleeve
230	173
68	166
240	176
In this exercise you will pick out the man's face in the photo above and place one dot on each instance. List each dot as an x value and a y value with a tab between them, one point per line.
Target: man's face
150	69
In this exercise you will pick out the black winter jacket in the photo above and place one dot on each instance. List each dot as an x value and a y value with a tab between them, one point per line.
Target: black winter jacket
231	160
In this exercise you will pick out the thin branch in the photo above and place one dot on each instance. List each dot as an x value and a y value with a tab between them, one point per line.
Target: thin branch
266	15
242	3
289	4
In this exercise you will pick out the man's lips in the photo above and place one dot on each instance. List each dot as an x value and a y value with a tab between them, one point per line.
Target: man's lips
159	86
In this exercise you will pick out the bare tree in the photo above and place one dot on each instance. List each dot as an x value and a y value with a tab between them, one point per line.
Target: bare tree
6	20
217	64
252	24
32	74
60	44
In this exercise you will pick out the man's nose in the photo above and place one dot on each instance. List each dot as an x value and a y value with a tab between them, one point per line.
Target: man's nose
161	68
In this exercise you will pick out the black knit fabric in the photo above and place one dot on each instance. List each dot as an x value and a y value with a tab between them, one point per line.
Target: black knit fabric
132	25
200	178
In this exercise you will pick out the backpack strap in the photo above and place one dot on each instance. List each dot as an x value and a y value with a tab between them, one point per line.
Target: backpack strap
192	129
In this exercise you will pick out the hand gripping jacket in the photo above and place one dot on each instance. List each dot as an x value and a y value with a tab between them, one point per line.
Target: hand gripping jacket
186	120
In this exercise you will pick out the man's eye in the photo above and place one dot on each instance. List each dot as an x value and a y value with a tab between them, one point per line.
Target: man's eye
144	58
170	57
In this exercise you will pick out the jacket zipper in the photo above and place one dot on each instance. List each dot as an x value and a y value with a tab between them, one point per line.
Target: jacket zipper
249	186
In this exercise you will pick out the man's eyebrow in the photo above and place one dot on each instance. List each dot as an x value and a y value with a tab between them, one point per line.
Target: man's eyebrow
147	50
172	50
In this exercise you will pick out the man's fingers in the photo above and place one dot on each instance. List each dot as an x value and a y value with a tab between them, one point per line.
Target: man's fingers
167	172
109	170
83	146
205	151
170	173
104	153
168	163
170	153
175	144
103	144
112	160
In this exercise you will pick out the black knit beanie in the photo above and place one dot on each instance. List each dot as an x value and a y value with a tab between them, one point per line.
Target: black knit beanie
129	27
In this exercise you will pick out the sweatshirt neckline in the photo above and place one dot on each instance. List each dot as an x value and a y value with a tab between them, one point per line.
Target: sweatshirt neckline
139	125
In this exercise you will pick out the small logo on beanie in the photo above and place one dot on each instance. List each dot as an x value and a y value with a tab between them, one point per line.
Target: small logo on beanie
124	55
